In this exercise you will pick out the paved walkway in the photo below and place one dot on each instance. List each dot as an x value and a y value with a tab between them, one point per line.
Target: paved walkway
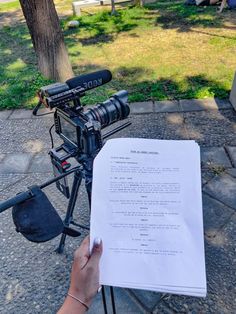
34	279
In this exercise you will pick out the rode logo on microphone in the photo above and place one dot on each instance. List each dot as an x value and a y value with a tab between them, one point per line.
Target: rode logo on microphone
92	84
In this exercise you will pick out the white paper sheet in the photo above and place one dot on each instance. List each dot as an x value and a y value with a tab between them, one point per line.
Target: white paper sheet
147	209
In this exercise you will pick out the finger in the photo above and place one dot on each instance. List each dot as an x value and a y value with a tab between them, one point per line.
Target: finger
96	254
85	242
81	255
85	246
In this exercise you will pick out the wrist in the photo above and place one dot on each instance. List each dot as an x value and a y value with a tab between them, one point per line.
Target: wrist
72	306
78	293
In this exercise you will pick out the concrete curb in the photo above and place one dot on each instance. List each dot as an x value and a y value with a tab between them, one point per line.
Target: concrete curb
163	106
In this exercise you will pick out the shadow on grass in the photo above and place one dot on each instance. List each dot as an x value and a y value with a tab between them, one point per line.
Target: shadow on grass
183	18
97	39
102	28
198	86
19	78
164	88
214	35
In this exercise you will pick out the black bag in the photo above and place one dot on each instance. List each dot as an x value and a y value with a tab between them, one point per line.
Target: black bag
36	219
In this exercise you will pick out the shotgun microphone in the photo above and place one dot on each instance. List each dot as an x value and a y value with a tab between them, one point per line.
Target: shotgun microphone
91	80
58	94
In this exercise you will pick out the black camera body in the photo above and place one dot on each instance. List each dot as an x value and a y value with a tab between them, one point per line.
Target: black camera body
81	129
81	137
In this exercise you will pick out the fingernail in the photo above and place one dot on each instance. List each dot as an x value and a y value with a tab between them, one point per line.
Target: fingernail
97	242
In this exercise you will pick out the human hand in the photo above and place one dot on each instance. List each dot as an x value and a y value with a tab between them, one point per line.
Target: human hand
85	272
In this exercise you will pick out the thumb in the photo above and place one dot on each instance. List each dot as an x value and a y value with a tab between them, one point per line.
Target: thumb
96	252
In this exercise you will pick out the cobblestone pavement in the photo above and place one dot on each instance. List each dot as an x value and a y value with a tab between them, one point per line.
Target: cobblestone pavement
34	279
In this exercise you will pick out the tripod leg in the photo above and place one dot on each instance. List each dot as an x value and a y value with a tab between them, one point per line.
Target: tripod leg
113	300
70	208
88	186
104	300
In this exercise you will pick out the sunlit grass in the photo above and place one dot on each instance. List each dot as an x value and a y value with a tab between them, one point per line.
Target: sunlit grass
18	65
9	6
158	52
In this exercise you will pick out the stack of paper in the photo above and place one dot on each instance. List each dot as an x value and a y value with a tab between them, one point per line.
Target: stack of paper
147	209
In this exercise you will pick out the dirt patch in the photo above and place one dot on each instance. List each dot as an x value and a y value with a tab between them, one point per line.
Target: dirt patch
11	18
15	17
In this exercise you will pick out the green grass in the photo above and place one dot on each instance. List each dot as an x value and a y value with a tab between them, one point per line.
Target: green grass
163	51
19	78
9	6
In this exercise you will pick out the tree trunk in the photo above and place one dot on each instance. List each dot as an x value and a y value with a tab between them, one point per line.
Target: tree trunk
48	41
139	3
113	9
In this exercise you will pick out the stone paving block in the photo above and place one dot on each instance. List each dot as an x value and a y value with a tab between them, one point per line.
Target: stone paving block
162	308
197	104
21	114
223	103
223	188
176	133
207	175
231	172
214	157
141	107
15	163
212	128
7	180
166	106
232	96
149	299
123	302
2	156
28	135
41	163
175	128
220	270
215	215
232	154
43	111
154	126
5	114
77	5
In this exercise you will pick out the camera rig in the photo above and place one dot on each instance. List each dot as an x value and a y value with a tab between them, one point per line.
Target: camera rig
82	139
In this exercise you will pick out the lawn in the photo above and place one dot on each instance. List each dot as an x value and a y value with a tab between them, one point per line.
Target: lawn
163	51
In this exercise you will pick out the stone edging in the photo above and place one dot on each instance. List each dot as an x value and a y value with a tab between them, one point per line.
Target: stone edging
165	106
184	105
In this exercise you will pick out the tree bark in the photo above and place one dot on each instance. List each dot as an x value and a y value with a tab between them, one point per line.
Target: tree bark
113	9
139	3
47	37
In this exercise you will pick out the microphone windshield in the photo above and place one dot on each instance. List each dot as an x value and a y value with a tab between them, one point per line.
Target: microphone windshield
91	80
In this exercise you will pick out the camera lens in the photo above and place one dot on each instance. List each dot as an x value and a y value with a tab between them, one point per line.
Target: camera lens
111	110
